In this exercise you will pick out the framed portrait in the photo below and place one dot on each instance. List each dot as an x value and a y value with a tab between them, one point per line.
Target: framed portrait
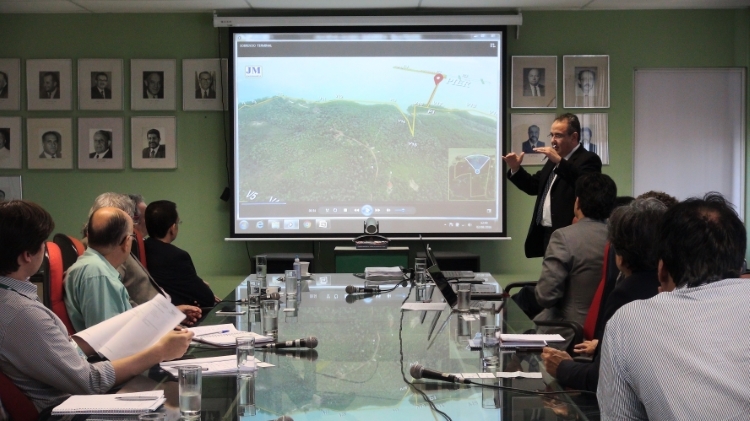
534	82
204	85
586	81
49	143
595	134
152	84
529	131
49	84
153	142
10	188
10	84
99	84
100	143
10	142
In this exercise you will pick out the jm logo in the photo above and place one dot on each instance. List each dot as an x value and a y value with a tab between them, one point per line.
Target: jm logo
254	71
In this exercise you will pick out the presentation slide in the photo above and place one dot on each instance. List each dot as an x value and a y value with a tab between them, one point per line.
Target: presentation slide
331	129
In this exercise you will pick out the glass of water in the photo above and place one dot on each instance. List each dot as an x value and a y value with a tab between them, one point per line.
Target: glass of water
270	309
290	280
246	395
490	346
190	390
261	264
245	354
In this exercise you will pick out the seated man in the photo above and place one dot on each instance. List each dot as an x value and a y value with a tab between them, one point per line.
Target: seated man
172	267
35	350
632	233
572	265
683	354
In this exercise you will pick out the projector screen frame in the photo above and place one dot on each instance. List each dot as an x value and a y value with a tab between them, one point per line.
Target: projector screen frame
297	235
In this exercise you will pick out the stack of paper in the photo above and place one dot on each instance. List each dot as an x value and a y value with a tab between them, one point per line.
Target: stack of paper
224	335
121	403
212	366
384	273
527	340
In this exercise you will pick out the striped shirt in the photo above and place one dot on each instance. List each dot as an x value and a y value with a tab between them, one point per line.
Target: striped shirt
37	354
681	355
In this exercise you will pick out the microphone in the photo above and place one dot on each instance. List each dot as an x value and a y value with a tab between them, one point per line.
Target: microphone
351	289
418	372
309	342
356	297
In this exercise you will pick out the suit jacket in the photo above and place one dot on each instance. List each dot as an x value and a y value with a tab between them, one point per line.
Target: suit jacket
57	155
199	93
96	95
585	376
4	92
173	270
562	193
527	148
527	90
161	152
106	155
140	285
159	94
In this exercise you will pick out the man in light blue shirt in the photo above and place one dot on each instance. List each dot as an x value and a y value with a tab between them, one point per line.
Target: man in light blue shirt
93	290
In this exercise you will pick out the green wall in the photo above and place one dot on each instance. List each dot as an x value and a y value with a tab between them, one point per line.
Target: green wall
632	39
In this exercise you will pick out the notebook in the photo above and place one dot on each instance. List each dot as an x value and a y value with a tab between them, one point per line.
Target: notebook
224	335
121	403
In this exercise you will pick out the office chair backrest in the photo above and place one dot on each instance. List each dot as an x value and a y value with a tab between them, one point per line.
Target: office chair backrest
80	248
68	250
55	284
139	248
18	406
589	326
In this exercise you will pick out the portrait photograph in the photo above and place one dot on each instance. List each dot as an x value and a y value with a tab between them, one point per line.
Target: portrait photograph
529	131
10	188
152	84
49	84
153	142
10	84
49	143
534	82
586	81
595	134
10	142
100	84
204	85
100	143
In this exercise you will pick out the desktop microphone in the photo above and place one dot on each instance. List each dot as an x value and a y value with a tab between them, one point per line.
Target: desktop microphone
418	372
351	289
350	298
309	342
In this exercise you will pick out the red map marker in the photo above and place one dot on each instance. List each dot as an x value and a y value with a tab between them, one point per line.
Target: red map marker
438	78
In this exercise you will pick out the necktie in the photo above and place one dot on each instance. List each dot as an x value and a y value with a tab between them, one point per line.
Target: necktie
540	211
97	156
536	91
205	95
153	153
101	93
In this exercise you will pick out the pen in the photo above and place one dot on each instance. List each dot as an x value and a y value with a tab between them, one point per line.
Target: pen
212	333
137	398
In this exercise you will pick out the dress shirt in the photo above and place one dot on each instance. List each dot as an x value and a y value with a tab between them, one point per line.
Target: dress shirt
46	155
37	354
4	154
682	355
93	291
547	210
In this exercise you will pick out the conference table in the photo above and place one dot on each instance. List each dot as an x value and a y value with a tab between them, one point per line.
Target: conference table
360	368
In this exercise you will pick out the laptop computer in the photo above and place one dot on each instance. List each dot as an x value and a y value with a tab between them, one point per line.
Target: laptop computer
440	280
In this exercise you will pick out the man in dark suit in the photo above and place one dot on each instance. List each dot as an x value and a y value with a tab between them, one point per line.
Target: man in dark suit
566	161
586	140
532	85
50	86
51	145
172	267
102	145
100	89
533	141
152	85
3	85
154	150
206	89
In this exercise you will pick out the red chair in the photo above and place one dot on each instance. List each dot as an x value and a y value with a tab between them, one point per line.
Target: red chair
80	248
55	283
18	406
139	248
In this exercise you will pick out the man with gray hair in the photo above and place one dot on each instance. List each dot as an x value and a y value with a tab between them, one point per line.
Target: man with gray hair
139	219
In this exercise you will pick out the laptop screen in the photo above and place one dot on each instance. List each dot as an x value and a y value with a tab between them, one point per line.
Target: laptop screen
440	280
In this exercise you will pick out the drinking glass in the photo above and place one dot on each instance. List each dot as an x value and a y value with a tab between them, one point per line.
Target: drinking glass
261	264
245	354
290	280
270	310
490	346
190	390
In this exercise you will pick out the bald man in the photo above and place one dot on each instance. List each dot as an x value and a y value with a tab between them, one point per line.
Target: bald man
93	291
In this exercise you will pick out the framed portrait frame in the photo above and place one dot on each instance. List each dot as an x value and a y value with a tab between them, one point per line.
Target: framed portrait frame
521	130
41	77
152	84
586	81
142	131
40	131
212	98
100	84
100	133
539	69
10	142
10	88
11	188
596	138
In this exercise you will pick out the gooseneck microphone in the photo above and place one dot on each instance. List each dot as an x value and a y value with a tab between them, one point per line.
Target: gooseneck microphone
351	289
309	342
419	372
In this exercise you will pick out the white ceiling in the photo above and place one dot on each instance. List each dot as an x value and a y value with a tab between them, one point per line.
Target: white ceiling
183	6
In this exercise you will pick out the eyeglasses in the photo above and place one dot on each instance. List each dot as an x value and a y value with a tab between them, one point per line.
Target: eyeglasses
556	136
131	236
